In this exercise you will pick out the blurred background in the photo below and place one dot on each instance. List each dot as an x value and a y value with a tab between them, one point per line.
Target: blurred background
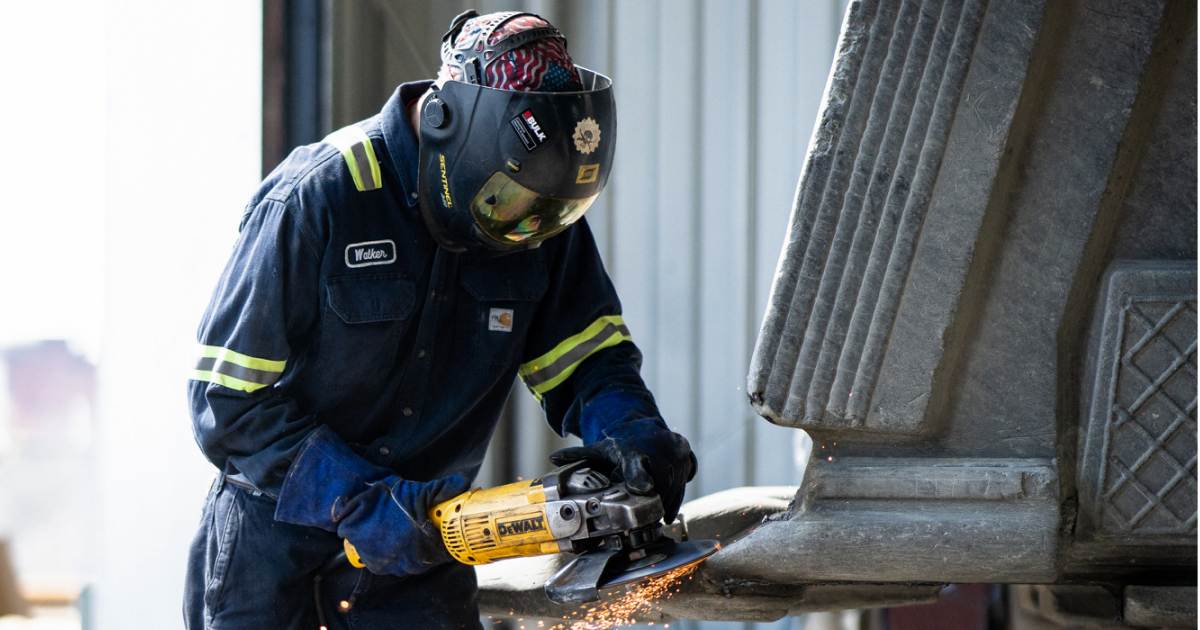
136	132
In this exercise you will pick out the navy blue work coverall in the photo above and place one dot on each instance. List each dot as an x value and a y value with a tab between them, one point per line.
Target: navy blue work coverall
337	308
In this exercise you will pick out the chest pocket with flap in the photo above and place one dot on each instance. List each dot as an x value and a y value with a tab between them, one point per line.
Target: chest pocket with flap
496	305
365	318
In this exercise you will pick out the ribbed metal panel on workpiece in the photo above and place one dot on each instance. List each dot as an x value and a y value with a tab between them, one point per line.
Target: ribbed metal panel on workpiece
860	206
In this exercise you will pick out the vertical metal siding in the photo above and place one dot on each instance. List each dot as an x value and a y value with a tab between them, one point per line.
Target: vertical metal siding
673	209
726	223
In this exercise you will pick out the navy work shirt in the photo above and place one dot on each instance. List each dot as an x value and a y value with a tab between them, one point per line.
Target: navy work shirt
338	308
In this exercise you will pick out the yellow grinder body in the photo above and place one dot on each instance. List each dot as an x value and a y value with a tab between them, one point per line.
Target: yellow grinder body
482	526
617	535
570	509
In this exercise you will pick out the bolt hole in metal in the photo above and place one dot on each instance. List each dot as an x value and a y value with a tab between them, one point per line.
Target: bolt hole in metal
567	512
592	506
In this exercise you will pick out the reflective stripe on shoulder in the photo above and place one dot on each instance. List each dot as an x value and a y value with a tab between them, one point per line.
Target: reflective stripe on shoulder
235	370
359	155
551	369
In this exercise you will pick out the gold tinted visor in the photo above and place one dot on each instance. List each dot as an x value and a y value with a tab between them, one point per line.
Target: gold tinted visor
511	213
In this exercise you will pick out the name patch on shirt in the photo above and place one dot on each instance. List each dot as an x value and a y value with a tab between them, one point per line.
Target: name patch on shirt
500	319
370	253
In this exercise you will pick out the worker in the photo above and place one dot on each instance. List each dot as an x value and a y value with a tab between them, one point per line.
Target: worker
387	287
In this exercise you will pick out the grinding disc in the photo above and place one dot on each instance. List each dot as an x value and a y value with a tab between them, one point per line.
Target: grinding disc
658	560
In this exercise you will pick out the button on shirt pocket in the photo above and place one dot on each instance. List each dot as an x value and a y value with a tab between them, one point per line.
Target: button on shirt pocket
495	308
365	317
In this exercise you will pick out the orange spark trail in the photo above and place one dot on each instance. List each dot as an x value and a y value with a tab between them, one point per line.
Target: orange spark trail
622	611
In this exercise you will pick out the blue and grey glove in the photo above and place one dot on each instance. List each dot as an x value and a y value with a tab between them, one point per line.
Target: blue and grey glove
385	517
645	454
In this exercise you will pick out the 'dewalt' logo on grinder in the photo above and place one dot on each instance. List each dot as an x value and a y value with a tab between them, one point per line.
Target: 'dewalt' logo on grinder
520	527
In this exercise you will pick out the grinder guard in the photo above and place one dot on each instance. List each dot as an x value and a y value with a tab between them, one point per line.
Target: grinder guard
503	170
618	536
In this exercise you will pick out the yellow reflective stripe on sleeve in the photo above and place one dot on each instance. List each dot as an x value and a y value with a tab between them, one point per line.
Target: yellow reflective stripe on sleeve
551	369
237	358
359	154
225	380
235	370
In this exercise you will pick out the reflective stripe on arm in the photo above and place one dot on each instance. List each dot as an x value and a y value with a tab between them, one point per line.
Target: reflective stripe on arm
359	155
235	370
551	369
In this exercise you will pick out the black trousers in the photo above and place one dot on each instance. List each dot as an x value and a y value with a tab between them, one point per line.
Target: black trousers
246	570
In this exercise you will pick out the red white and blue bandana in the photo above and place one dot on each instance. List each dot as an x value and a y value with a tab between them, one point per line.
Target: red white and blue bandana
539	66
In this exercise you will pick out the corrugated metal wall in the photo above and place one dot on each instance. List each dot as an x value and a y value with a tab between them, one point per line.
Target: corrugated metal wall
716	103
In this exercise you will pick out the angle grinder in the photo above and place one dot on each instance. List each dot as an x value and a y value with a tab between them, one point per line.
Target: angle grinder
618	537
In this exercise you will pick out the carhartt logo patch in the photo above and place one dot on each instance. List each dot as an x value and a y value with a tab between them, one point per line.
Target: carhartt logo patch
500	319
370	253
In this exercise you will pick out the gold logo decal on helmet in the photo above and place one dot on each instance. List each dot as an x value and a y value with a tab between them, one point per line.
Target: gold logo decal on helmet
587	173
587	136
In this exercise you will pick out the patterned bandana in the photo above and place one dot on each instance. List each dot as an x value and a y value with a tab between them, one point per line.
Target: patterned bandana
540	66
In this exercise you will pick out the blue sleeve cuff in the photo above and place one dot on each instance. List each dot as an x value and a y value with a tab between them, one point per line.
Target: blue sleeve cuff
324	476
611	407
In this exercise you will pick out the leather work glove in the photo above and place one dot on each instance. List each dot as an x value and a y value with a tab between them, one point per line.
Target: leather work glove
643	453
384	517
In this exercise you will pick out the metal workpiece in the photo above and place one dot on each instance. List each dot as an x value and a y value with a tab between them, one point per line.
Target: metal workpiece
907	520
1159	606
719	600
985	310
864	198
1106	606
517	585
1137	474
985	316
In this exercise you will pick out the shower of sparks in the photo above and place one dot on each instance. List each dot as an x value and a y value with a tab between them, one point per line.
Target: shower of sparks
623	611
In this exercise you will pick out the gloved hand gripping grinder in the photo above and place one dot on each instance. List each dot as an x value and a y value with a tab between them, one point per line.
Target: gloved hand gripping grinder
618	535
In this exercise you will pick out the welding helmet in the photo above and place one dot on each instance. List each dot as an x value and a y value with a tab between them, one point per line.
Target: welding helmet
502	170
